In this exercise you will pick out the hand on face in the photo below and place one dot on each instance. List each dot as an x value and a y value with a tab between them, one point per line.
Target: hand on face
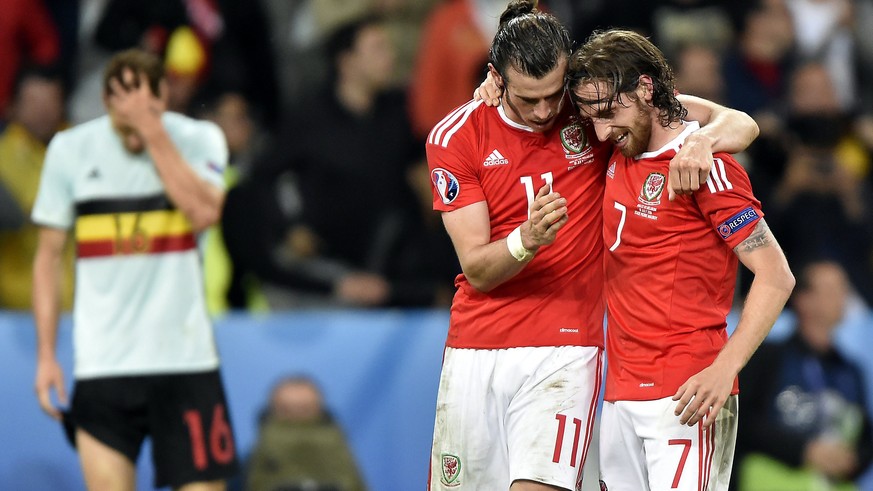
131	102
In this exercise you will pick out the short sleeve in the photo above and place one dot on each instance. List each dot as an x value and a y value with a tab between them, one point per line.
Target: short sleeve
451	161
54	206
727	201
207	152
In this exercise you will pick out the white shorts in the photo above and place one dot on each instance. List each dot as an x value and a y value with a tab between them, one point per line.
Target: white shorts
644	448
514	414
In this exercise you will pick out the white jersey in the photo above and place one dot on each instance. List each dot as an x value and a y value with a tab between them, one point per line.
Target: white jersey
139	300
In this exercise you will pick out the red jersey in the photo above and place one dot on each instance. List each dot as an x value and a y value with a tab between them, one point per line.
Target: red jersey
670	269
477	153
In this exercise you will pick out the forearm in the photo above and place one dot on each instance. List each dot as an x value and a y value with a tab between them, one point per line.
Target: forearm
726	130
198	200
767	296
488	266
46	298
730	132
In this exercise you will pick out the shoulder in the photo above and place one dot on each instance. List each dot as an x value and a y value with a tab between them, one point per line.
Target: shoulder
91	135
95	126
182	125
458	125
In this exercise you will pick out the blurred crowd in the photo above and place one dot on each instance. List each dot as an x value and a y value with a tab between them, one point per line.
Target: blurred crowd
325	104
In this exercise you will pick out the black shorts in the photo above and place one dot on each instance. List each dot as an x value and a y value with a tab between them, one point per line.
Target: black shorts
185	415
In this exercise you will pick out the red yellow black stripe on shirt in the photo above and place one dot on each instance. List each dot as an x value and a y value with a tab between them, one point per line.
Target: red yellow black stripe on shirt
148	225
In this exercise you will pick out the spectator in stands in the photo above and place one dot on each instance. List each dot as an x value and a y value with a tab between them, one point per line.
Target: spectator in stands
233	36
755	69
698	72
28	35
350	152
36	114
451	58
300	447
823	30
246	140
825	182
811	428
301	26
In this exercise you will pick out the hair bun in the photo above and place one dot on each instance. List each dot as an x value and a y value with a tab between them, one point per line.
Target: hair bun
517	8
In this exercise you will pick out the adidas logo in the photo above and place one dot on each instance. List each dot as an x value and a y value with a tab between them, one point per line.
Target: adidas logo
495	159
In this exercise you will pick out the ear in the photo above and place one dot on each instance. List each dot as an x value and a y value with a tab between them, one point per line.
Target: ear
645	88
495	75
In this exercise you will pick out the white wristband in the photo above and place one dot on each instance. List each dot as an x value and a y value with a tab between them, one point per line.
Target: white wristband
516	248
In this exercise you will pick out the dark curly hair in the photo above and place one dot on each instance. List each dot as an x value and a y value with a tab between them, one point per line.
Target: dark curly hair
531	41
619	57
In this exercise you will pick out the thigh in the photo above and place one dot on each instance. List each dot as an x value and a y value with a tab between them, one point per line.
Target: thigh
622	457
112	410
551	416
687	458
192	438
104	467
469	441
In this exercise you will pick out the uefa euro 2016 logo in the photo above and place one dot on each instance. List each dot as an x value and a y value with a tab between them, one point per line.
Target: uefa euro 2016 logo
446	184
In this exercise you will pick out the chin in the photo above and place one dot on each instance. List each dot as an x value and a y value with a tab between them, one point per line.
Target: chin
543	127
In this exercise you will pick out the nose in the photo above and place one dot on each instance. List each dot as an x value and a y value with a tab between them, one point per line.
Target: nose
602	129
542	111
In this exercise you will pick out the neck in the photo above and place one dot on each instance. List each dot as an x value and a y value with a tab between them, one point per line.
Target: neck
356	97
662	135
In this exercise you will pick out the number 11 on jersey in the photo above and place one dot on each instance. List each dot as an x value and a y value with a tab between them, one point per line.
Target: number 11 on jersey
527	181
559	438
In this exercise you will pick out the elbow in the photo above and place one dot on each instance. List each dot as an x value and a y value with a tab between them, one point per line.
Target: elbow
790	282
482	285
204	218
755	129
479	279
205	213
785	280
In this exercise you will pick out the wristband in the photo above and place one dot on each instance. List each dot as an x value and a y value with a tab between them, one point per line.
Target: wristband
516	247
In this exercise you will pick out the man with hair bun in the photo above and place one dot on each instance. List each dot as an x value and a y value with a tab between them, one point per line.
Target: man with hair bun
520	187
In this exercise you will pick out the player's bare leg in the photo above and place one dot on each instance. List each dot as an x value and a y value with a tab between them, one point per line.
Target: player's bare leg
105	468
204	486
533	486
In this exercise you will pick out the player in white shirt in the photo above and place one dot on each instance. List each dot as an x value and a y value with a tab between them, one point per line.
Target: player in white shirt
133	189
